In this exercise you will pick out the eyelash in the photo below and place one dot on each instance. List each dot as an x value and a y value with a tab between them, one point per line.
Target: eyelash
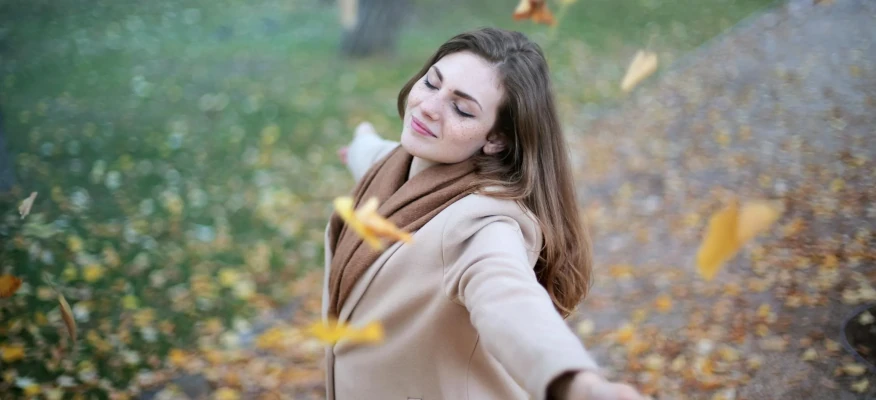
455	107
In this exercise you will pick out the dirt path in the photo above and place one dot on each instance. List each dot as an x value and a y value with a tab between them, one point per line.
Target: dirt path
783	106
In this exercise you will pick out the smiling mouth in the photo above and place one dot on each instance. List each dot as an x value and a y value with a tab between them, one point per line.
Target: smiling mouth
421	128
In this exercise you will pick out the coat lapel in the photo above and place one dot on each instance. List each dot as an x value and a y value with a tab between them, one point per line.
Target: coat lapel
362	284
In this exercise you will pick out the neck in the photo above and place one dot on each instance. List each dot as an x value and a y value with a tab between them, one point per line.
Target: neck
419	165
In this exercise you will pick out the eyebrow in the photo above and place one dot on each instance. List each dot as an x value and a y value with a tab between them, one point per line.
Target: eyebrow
459	93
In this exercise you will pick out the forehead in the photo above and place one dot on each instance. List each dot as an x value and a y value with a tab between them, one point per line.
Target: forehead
470	73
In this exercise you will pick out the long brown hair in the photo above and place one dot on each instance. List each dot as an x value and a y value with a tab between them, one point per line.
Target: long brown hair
534	167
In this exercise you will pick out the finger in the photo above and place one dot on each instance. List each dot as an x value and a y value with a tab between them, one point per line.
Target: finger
365	128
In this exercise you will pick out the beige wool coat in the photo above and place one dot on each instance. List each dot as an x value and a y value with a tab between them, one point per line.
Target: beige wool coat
463	313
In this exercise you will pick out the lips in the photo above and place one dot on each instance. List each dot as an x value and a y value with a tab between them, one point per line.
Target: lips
421	128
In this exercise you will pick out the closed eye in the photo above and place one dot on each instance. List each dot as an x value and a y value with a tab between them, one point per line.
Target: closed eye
455	107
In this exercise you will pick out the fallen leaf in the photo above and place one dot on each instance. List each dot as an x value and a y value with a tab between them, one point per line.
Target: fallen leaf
643	65
866	318
226	394
67	315
11	353
9	284
854	369
331	332
861	386
663	303
365	221
586	328
809	355
536	10
26	204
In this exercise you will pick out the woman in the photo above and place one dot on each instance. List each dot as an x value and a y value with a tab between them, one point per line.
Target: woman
473	307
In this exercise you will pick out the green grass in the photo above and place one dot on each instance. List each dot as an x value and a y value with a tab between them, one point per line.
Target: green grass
235	109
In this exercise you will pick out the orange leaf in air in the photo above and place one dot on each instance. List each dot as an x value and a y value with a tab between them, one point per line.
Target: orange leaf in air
536	10
9	284
643	65
368	224
729	229
331	332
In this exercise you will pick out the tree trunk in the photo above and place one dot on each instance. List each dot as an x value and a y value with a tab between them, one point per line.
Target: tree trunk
375	28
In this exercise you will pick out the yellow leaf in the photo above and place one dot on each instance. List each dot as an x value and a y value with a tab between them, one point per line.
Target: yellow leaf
756	217
226	394
643	65
32	390
809	355
536	10
854	369
9	284
26	205
861	386
130	302
663	303
720	243
369	225
228	277
92	272
331	332
67	315
11	353
177	357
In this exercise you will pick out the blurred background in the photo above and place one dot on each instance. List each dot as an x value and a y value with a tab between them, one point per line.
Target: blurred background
183	156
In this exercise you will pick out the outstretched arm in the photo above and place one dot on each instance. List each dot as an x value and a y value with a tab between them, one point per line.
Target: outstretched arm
366	148
492	276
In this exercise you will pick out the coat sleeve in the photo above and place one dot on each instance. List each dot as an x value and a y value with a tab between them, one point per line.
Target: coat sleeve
364	151
491	274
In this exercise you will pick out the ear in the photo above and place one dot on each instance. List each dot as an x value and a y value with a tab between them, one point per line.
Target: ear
495	144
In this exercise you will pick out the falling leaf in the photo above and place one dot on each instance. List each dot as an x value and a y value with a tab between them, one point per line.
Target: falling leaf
367	223
729	229
26	204
643	65
9	284
536	10
67	315
331	332
720	243
756	217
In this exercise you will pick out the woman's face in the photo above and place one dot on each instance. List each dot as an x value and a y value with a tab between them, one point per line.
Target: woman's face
451	110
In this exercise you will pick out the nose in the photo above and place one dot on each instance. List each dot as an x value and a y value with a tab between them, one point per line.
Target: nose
431	107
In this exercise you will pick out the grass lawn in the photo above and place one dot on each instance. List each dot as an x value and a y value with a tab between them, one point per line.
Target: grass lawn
183	153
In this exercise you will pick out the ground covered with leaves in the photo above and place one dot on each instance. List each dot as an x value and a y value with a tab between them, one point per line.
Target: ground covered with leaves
184	163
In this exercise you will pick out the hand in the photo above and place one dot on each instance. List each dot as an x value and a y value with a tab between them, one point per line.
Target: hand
364	128
591	386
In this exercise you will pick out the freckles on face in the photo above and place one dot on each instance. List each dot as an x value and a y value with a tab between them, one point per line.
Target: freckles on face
452	108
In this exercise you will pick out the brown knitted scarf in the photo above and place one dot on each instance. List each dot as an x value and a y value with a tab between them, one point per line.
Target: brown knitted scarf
409	204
